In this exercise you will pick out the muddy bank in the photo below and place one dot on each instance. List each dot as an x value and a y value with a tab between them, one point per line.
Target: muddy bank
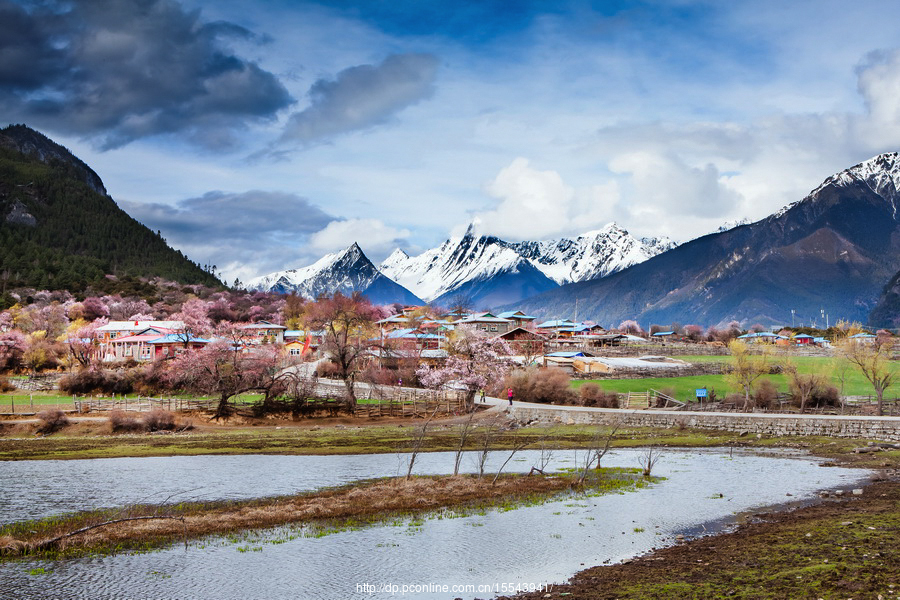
842	547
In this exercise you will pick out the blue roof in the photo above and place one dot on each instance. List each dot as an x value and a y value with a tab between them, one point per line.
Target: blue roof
804	336
176	338
862	335
404	333
761	334
658	333
557	323
511	314
566	354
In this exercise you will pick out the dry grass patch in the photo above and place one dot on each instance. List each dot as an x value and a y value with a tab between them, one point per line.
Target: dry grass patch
146	526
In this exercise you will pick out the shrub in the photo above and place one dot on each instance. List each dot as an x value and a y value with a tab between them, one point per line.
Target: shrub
52	421
122	423
548	386
593	395
5	385
327	369
159	420
735	399
93	380
826	396
149	379
765	395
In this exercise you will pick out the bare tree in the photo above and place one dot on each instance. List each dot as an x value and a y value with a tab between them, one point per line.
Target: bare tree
803	385
463	436
484	449
544	460
419	441
872	358
515	449
647	461
600	444
746	368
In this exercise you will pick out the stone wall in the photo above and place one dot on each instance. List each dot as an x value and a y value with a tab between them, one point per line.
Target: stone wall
863	427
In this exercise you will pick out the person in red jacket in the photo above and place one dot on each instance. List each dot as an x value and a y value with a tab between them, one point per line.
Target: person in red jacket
509	395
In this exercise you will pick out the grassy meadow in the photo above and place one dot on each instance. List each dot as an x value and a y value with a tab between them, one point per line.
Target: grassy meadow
834	369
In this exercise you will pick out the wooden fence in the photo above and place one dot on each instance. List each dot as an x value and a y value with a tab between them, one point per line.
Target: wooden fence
416	404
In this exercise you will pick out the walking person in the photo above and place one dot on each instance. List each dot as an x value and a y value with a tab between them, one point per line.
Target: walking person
509	395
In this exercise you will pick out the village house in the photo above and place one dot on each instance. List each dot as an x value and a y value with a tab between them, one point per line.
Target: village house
413	339
298	343
151	343
264	332
555	327
487	322
119	329
518	318
394	322
176	344
525	342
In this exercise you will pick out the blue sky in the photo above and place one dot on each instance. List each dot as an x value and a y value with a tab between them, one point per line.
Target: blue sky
258	136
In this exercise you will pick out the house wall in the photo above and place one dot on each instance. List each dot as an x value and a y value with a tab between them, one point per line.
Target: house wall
874	428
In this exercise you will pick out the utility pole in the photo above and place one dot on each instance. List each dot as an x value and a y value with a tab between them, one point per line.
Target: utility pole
792	317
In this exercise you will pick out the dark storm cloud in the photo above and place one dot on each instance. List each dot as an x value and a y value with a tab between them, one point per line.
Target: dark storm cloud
118	71
250	233
253	215
362	96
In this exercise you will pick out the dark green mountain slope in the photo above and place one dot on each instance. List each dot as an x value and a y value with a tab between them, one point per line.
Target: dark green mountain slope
60	230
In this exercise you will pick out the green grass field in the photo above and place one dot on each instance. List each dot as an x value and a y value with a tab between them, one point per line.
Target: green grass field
854	384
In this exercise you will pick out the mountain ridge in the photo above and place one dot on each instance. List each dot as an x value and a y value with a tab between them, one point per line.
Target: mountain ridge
347	271
59	229
832	251
478	267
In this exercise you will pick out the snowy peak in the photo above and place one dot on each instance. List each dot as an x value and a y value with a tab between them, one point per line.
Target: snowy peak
459	262
442	270
591	255
729	225
881	174
347	271
397	256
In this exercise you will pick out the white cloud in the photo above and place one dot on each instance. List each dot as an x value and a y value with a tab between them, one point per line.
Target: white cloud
375	238
532	203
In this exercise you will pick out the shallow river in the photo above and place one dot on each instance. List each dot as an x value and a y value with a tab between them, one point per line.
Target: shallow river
473	556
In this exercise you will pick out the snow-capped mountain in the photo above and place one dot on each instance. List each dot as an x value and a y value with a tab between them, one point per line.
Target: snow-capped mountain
483	269
729	225
346	272
479	267
591	255
835	250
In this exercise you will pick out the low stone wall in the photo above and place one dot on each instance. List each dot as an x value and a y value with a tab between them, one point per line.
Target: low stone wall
40	383
696	369
874	428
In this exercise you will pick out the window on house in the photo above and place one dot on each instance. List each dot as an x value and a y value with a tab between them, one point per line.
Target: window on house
493	328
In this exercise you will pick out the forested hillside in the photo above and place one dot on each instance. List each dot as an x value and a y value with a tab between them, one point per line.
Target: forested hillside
59	230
